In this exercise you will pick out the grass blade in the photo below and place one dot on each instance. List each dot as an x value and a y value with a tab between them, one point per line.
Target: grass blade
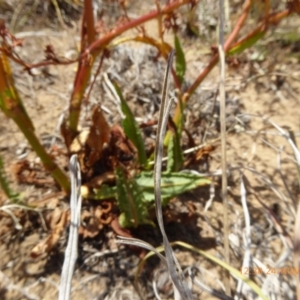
180	60
131	128
175	155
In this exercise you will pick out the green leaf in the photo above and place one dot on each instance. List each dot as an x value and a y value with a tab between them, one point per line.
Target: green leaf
246	44
131	201
136	195
172	184
131	128
180	60
105	192
175	155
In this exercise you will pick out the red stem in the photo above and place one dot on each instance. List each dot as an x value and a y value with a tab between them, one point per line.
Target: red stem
102	42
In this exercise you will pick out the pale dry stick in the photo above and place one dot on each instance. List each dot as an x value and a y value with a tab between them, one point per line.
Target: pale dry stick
212	195
139	243
223	144
111	91
191	150
18	225
157	297
97	254
289	139
247	239
297	221
71	252
41	33
174	268
264	132
227	15
7	208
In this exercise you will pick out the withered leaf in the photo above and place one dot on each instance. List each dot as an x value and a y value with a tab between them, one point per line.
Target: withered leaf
123	147
47	244
98	136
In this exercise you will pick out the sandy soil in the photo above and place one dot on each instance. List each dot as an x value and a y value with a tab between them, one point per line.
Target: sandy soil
255	89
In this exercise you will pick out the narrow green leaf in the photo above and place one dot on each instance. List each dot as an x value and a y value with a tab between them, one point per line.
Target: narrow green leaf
246	44
130	201
175	155
180	60
131	128
172	184
171	160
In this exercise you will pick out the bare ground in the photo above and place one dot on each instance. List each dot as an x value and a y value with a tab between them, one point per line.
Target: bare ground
104	269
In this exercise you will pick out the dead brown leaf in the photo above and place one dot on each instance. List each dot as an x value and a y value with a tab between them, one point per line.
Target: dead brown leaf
30	173
98	136
204	152
122	148
92	220
47	244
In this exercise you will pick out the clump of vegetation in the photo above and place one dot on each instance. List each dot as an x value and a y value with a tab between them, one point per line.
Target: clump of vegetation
114	160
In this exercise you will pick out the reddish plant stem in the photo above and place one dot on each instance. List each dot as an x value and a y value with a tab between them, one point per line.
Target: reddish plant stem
84	66
27	67
90	54
215	58
102	42
274	18
240	23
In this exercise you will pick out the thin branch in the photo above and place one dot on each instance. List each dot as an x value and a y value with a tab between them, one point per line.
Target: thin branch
223	144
